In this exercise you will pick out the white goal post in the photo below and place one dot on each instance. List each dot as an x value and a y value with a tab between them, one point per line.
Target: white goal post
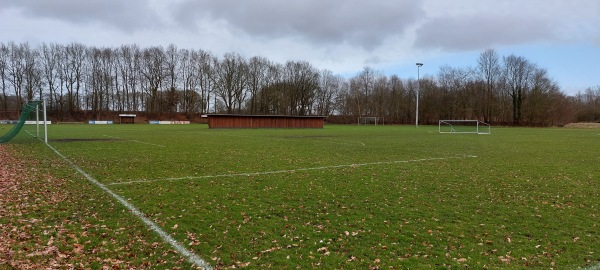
464	126
369	120
40	108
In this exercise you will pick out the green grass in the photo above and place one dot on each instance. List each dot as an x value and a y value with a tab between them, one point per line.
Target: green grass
348	197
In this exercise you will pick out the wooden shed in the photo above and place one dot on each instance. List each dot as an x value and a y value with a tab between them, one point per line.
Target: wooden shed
264	121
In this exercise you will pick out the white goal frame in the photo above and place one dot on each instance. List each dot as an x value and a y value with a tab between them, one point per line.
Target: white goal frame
40	108
476	127
362	120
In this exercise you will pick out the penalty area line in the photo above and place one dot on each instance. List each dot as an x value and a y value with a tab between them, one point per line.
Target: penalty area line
287	171
189	255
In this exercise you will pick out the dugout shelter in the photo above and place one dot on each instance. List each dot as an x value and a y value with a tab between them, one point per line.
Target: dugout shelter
127	118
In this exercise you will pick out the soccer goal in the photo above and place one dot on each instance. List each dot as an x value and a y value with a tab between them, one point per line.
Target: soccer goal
374	121
30	116
464	126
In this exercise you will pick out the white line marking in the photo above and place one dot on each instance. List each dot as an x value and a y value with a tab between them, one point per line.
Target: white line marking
285	171
343	142
191	257
593	267
315	139
134	141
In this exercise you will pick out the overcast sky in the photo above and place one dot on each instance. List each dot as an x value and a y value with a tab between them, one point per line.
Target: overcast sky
343	36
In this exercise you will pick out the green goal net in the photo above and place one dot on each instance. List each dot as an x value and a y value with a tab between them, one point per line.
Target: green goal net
30	114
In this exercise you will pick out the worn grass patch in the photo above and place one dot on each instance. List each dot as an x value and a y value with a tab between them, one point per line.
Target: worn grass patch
348	197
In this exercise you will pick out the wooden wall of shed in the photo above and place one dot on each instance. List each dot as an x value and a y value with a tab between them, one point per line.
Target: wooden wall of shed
241	121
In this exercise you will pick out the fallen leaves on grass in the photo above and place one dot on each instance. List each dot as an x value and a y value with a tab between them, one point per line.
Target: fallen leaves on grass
506	259
48	223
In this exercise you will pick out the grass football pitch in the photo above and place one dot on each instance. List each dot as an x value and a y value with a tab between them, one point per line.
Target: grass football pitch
342	197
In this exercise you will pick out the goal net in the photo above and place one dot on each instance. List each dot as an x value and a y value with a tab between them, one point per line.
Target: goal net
464	126
374	121
31	123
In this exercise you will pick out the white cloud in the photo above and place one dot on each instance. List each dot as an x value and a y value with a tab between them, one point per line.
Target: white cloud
477	32
128	16
364	24
341	35
468	25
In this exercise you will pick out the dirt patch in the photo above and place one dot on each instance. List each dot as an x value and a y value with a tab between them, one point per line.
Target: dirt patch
68	140
583	125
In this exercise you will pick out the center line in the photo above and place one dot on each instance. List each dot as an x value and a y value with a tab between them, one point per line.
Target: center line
286	171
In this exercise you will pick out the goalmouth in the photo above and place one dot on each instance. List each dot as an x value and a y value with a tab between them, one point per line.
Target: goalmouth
464	126
368	120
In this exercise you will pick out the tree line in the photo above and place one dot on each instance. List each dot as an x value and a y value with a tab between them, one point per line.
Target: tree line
78	81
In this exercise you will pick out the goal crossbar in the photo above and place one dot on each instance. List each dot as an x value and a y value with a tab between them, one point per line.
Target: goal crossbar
464	126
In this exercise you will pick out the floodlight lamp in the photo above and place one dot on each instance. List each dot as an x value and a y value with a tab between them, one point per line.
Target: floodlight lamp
419	64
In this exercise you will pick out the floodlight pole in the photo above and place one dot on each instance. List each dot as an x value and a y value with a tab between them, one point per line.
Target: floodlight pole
418	90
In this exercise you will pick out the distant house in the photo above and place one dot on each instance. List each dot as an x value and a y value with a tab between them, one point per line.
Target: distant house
264	121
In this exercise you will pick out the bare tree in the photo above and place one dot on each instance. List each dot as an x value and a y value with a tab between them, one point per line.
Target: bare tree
50	64
73	68
453	100
16	71
4	66
544	100
490	72
271	95
428	110
257	73
365	83
129	66
379	95
33	79
205	71
301	84
230	80
588	105
517	71
100	81
396	101
329	87
172	76
187	71
153	69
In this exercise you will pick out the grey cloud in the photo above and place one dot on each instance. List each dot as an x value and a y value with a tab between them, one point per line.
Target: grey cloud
126	15
365	24
477	32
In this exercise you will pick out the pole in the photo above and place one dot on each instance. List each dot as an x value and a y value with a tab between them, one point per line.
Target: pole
418	90
45	122
37	120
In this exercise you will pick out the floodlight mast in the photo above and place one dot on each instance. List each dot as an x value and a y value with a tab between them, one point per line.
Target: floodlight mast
418	90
